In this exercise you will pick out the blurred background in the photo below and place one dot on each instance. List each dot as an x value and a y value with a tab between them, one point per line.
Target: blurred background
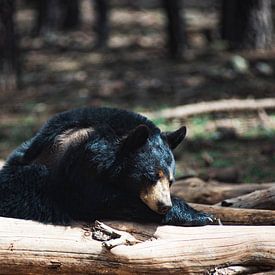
206	64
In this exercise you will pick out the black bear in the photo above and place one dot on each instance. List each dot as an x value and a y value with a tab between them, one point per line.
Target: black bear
94	163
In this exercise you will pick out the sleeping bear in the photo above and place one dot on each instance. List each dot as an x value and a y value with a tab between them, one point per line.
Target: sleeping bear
95	163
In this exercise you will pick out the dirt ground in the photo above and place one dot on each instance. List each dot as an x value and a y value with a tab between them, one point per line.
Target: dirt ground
62	71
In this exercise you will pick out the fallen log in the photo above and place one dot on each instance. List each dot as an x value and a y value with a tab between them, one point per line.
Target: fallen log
261	199
211	192
238	216
28	247
227	105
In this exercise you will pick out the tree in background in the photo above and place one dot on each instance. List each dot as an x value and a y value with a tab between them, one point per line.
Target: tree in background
56	15
247	24
175	27
72	14
9	65
102	22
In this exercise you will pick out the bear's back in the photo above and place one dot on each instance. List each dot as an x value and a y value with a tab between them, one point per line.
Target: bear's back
107	122
120	121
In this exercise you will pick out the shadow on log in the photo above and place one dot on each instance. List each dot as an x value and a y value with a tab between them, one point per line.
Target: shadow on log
28	247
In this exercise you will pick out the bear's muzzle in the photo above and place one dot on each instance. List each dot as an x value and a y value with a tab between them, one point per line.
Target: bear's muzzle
157	197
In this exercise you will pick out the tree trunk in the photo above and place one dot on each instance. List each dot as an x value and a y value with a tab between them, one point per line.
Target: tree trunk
48	16
9	65
54	15
247	24
28	247
101	22
71	18
175	27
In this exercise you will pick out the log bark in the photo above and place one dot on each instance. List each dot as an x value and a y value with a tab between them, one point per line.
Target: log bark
28	247
198	191
227	105
238	216
261	199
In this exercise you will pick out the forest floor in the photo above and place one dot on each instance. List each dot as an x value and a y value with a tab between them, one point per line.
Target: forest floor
62	71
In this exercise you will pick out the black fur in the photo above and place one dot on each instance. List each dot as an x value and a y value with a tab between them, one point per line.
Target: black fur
95	175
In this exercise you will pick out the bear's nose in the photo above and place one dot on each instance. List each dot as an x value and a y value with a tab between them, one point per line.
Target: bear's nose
164	208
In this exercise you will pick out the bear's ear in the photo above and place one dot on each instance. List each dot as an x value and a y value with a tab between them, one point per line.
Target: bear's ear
176	137
135	139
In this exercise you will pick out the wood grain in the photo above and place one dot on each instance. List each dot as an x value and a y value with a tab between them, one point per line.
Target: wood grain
28	247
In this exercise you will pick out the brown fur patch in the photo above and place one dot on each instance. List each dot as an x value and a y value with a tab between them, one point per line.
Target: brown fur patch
51	155
157	194
160	174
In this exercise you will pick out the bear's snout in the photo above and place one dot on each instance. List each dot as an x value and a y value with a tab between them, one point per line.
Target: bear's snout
157	196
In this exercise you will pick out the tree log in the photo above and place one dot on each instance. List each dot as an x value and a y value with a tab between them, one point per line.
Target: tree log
238	216
261	199
227	105
211	192
28	247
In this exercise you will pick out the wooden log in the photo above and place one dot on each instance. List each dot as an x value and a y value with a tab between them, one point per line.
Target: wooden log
238	216
226	105
28	247
261	199
211	192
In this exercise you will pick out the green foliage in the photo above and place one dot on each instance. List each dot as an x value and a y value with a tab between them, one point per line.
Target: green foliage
260	132
198	128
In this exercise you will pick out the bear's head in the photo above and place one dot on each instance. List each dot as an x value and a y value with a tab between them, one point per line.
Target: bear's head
149	165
